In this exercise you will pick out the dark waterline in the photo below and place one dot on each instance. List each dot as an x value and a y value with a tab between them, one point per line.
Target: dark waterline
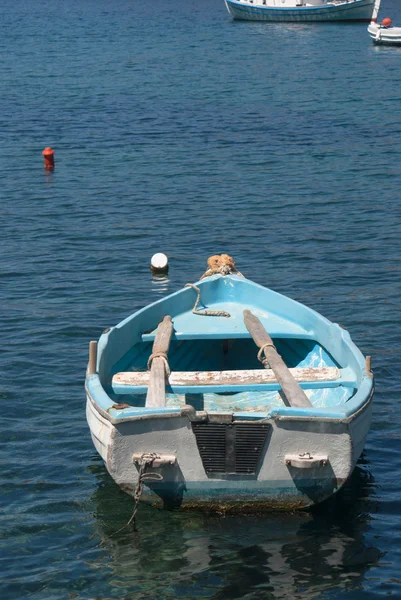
178	130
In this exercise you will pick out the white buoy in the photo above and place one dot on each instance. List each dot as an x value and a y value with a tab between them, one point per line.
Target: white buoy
159	263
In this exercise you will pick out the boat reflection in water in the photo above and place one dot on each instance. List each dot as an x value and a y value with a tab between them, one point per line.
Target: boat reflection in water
189	554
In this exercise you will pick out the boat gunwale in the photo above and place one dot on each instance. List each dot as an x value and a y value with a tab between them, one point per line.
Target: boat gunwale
118	416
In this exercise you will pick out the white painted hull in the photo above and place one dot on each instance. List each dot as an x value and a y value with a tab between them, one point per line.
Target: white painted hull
354	10
276	485
390	36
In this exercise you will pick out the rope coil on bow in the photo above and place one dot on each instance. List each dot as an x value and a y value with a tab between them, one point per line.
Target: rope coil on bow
223	265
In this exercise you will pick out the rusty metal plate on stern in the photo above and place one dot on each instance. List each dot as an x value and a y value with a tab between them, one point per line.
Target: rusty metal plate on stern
231	448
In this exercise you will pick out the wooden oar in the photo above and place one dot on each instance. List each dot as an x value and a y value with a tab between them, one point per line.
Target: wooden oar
291	390
156	395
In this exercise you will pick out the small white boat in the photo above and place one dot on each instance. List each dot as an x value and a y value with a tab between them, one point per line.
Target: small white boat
255	402
301	10
384	33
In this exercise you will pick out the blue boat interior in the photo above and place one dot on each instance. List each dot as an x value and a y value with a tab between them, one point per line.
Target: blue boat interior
205	343
232	354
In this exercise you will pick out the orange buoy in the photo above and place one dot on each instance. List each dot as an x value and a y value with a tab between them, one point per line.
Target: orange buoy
48	155
387	22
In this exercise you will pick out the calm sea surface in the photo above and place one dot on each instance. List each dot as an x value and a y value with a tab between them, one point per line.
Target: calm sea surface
176	129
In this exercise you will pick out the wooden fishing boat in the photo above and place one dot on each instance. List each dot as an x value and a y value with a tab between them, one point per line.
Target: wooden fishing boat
300	10
252	401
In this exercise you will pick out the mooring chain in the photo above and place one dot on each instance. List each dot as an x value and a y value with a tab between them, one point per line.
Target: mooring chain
206	312
145	461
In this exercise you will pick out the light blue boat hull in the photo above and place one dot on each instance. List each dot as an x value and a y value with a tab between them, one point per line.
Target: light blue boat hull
333	428
357	10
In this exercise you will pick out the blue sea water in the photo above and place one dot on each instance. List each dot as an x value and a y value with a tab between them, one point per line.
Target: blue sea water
176	129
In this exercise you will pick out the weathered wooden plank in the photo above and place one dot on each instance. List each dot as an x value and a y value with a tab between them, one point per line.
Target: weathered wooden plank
156	394
294	395
211	378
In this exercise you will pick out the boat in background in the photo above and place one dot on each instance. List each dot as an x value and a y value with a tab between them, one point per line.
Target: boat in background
301	10
251	402
383	33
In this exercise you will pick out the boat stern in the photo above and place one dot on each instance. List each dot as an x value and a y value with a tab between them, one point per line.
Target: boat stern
228	463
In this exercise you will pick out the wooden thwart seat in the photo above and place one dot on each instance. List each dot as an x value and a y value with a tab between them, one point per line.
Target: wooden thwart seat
275	376
218	381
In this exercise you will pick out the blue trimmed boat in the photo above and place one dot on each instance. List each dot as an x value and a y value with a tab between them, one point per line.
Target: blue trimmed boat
252	401
301	10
